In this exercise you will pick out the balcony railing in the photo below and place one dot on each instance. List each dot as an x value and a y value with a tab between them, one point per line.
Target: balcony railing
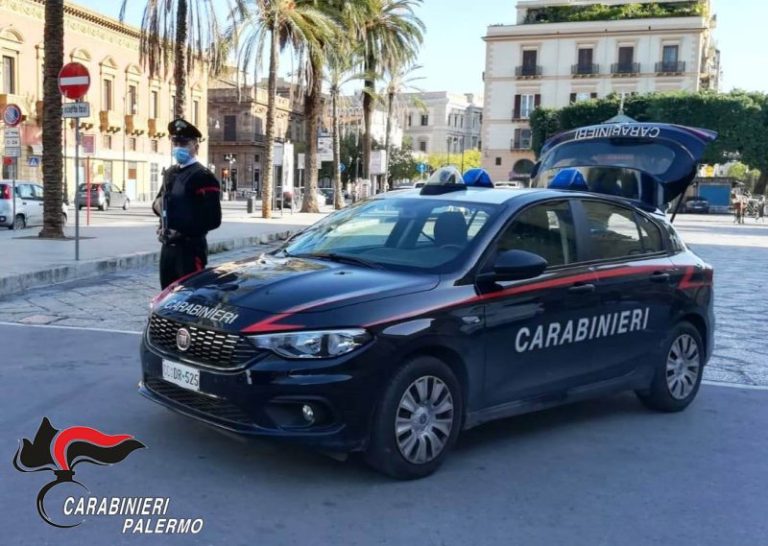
675	67
585	69
528	71
625	68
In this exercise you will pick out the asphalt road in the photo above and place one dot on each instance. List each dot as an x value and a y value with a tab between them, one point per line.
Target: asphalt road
606	472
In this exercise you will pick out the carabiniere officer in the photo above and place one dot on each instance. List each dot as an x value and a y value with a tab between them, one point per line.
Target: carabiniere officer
188	204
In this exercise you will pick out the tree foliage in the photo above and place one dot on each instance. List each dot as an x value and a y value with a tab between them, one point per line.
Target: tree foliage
603	12
740	119
472	160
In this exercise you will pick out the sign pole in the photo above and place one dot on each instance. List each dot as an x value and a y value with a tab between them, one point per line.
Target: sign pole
88	190
77	189
13	180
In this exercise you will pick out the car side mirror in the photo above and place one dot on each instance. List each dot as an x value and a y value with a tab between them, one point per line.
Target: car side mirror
516	265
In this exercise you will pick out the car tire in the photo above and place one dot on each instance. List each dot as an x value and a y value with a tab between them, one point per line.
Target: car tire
415	385
19	222
679	371
126	204
63	219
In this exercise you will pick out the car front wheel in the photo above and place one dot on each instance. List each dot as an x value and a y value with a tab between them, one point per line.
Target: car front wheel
418	420
678	373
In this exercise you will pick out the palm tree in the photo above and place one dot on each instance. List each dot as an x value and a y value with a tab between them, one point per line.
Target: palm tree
400	80
339	73
391	34
190	30
285	22
326	33
52	162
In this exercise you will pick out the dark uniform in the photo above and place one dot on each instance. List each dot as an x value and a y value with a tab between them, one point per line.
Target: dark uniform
189	206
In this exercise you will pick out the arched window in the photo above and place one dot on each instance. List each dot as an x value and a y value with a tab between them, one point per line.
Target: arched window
523	166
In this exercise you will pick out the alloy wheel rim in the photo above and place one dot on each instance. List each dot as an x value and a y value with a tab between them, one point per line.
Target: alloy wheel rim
424	420
683	366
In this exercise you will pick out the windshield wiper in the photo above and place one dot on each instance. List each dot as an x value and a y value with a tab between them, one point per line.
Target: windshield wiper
340	258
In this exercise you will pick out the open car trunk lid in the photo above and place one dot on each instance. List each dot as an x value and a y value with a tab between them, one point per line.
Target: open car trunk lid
649	162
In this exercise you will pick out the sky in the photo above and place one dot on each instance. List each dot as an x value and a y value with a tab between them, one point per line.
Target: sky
453	54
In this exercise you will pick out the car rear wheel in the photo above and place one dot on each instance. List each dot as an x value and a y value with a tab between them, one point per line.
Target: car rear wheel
19	222
63	219
418	420
678	373
126	204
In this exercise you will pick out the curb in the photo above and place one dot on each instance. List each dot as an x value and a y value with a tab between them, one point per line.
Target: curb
22	282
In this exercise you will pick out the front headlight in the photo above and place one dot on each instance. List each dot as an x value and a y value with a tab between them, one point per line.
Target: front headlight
317	344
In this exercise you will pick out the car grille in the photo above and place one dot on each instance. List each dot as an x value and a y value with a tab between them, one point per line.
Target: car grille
207	347
215	407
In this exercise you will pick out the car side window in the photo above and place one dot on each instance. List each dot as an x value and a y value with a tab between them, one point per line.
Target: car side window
613	231
547	230
650	235
37	192
25	191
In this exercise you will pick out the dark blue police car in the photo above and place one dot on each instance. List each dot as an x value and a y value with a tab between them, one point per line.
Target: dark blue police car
392	325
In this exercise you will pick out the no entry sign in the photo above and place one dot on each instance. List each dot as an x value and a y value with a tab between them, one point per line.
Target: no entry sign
74	81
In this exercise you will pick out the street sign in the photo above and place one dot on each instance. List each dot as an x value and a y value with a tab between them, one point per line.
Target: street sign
74	81
12	152
342	167
33	161
422	168
12	115
300	162
76	110
12	137
324	148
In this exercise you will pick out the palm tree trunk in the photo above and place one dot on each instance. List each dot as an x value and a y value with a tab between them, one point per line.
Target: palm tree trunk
269	160
338	201
368	91
179	53
52	160
312	105
388	138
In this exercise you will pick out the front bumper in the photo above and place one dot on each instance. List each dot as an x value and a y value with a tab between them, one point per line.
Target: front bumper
265	397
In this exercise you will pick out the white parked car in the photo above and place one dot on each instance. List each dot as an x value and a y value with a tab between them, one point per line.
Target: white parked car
29	205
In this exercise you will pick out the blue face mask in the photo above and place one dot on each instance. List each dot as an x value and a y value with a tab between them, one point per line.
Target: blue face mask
181	155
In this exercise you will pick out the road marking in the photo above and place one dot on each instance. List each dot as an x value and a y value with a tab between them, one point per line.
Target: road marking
62	327
734	385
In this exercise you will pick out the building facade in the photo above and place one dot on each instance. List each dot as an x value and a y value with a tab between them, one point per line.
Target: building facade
237	126
563	51
350	112
442	122
125	139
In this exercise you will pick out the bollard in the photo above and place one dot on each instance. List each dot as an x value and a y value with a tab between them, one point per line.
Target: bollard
251	204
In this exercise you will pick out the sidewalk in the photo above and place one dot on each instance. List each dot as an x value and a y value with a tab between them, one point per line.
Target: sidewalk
129	242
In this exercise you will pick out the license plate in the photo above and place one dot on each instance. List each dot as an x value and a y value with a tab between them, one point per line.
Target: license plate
186	377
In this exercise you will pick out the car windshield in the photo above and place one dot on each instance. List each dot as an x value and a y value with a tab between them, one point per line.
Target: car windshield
83	187
409	234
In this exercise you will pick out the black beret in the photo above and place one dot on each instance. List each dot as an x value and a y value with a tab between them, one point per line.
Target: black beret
181	128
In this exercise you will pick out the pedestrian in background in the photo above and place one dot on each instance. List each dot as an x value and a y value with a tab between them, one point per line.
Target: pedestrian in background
188	205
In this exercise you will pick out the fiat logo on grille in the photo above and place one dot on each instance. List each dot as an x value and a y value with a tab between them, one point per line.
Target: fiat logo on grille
183	339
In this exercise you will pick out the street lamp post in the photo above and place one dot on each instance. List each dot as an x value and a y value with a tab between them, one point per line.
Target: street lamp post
230	158
462	153
448	150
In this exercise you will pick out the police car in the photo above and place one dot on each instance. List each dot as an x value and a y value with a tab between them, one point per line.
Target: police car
392	325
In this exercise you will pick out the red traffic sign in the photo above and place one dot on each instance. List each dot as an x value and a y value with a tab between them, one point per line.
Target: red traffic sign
74	81
12	115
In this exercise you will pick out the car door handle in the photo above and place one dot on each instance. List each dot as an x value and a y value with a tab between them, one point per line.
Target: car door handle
582	288
660	276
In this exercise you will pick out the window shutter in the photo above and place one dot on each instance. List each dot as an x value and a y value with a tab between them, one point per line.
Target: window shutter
593	95
573	98
536	100
516	144
516	114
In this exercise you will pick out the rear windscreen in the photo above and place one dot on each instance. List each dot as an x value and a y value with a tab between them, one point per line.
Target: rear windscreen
621	182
